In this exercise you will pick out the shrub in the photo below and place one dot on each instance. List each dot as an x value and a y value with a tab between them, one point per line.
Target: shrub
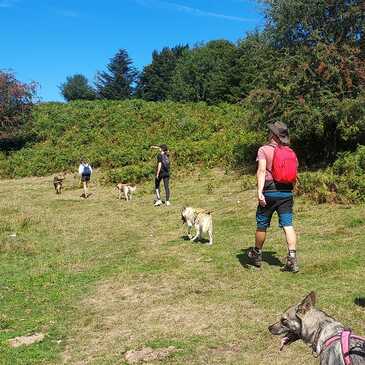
116	137
344	182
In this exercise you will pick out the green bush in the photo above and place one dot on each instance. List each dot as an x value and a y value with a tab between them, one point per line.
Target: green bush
116	137
344	182
130	174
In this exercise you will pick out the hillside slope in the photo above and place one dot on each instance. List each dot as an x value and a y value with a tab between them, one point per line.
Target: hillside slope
117	135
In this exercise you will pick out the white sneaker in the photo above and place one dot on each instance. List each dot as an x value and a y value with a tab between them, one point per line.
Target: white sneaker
168	203
158	202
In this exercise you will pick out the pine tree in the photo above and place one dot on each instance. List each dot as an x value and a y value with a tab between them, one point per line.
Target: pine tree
117	82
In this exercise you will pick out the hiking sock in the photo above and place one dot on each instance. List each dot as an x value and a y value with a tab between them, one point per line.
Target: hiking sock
257	250
293	254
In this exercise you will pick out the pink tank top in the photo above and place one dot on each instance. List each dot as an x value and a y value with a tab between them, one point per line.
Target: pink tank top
266	152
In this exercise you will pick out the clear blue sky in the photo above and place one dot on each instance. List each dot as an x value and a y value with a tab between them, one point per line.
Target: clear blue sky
47	40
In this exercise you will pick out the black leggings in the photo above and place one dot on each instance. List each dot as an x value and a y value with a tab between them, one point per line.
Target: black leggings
166	180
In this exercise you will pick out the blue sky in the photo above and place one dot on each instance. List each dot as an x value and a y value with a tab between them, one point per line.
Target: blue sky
47	40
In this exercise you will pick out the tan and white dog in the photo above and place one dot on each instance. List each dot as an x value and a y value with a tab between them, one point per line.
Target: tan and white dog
127	190
202	221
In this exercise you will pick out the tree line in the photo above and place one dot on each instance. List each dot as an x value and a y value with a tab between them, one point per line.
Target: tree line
306	68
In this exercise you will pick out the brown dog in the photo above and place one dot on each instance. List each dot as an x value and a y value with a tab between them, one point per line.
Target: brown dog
58	182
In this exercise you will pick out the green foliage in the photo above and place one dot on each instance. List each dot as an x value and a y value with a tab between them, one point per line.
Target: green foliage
116	83
246	149
292	22
116	136
255	65
77	87
130	174
344	182
154	83
204	73
318	92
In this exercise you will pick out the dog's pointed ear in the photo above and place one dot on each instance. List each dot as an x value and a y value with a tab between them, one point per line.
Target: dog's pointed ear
307	304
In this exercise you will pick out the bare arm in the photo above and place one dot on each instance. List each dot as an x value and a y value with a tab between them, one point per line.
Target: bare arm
260	175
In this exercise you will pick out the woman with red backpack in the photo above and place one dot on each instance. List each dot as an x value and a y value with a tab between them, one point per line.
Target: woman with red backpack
276	177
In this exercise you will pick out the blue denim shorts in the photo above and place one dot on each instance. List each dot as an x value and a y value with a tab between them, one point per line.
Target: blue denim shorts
276	201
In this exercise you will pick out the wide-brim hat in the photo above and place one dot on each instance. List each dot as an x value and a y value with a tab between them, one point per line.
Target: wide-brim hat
281	131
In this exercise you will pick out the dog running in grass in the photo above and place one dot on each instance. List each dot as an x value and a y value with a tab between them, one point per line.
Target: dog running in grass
58	182
126	190
202	221
328	338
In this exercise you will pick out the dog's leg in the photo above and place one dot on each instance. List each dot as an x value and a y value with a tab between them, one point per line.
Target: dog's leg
197	227
210	232
189	232
126	194
194	238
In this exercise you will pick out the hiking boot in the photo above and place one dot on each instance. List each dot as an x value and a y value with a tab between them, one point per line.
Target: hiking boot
254	257
291	265
158	203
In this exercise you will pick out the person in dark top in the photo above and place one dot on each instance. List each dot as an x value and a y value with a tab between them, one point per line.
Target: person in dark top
162	173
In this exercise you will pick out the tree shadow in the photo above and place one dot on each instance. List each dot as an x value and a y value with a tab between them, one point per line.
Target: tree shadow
267	256
10	143
360	301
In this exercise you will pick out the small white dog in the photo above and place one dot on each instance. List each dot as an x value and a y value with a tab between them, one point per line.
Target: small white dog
201	220
127	190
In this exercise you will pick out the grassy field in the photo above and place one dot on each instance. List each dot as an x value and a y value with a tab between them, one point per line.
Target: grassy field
101	277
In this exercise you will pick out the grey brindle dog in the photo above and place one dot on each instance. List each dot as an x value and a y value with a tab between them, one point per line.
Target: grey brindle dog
328	338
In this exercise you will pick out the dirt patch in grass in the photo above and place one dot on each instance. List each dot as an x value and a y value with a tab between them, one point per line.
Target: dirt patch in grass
26	340
121	317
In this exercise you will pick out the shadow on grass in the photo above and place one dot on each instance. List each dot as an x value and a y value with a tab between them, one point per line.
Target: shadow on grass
203	240
360	301
267	256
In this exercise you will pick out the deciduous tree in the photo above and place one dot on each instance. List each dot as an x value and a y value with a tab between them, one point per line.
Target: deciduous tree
77	87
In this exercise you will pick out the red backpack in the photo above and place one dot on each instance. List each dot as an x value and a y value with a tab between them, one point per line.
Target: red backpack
284	165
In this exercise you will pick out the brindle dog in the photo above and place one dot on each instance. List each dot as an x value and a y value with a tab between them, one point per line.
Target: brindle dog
323	333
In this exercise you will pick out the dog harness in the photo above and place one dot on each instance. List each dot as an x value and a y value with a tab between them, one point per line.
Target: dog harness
345	337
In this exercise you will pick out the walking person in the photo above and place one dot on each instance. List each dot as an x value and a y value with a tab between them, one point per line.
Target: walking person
85	172
162	174
276	176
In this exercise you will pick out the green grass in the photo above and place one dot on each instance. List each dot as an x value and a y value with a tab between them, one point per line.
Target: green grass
102	276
